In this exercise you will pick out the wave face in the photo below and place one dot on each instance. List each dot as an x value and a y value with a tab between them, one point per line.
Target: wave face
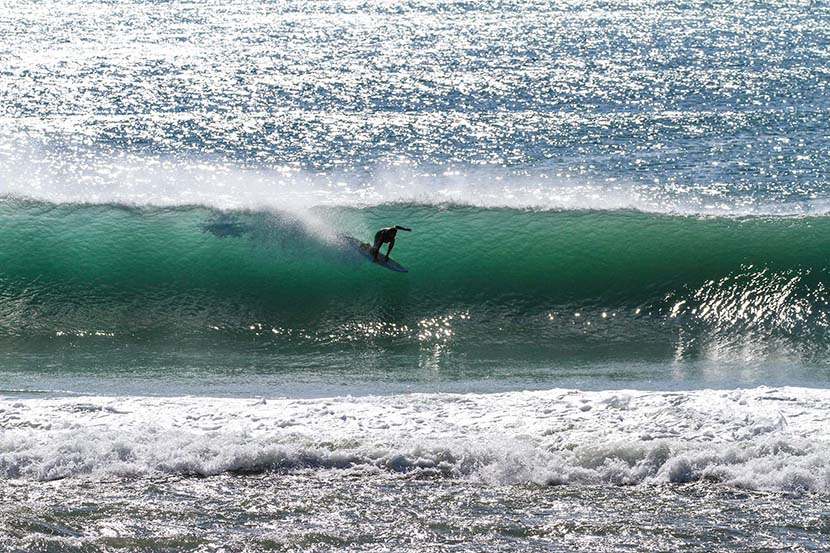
478	277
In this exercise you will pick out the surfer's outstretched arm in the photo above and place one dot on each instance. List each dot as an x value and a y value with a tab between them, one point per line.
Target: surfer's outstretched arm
391	243
403	228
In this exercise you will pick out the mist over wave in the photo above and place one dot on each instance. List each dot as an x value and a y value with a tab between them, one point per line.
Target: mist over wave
128	178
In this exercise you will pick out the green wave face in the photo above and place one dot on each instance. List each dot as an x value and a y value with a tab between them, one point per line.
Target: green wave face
479	278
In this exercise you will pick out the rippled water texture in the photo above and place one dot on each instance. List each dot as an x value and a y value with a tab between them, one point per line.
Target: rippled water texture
351	512
704	106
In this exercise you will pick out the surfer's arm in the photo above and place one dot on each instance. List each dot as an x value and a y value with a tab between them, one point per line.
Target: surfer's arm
403	228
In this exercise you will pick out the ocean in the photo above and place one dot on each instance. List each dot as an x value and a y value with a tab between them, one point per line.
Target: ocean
614	334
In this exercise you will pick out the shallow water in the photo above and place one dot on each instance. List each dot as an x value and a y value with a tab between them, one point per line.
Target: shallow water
337	510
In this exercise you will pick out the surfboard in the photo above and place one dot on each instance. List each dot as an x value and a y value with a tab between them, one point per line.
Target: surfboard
366	250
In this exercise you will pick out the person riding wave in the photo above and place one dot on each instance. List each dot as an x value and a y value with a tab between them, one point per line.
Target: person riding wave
386	236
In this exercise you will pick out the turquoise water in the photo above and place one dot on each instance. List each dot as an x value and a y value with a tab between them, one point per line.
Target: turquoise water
616	293
492	292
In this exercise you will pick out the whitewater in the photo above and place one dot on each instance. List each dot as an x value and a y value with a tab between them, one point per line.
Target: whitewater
614	334
751	439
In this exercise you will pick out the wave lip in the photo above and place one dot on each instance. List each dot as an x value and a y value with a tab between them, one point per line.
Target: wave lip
34	174
762	438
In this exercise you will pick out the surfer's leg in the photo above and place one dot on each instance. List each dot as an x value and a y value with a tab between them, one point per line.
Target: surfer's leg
376	247
391	243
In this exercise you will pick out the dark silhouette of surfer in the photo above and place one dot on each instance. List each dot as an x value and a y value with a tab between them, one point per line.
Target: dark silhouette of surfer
386	236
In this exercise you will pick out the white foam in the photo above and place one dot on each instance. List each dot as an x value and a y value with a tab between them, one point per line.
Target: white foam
32	172
769	439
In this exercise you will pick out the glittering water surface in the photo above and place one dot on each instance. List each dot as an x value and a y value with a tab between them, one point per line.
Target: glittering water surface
330	510
708	105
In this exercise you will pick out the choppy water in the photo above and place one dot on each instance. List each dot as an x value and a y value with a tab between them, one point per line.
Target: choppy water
313	511
628	199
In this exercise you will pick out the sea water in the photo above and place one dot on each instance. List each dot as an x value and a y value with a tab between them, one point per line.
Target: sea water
614	333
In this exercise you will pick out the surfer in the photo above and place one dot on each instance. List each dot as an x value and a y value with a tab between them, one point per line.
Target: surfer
384	236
